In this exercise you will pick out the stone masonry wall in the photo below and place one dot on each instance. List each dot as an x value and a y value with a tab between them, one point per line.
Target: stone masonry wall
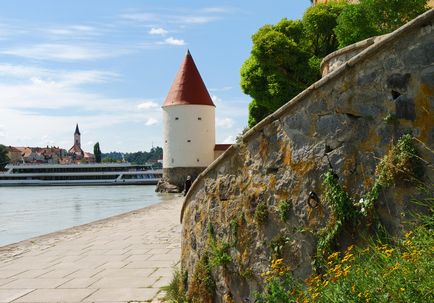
342	122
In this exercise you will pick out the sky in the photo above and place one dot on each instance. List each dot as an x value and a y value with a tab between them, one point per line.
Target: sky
108	66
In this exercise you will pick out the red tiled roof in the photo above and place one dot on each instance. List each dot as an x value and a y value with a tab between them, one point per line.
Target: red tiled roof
222	146
188	87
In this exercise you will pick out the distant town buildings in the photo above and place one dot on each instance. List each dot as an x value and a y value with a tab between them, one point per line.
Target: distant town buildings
51	155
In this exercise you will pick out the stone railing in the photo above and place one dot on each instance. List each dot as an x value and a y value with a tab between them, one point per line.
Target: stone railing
332	61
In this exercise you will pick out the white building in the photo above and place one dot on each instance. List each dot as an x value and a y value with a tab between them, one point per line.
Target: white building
189	126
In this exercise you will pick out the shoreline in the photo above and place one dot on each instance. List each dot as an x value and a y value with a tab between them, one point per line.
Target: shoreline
14	250
123	258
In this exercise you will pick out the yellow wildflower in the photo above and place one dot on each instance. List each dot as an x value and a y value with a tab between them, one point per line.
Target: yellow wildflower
347	258
333	256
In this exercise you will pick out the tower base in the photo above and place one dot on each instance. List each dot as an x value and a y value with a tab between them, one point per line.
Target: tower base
178	175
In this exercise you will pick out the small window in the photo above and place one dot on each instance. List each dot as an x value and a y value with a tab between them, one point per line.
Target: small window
197	160
166	141
199	118
176	118
188	140
173	160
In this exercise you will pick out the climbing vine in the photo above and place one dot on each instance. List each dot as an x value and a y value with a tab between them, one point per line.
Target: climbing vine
341	211
400	164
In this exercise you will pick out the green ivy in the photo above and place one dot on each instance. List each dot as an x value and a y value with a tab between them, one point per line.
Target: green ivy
284	209
219	253
277	245
261	213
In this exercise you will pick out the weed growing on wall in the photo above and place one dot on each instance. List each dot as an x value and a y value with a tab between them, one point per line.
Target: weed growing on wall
219	253
261	213
278	244
401	164
176	290
400	271
397	272
284	209
341	212
202	284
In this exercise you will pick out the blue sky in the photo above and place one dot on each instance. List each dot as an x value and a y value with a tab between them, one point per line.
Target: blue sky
108	66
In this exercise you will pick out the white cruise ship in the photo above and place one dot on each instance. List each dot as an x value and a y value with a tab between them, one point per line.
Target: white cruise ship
79	174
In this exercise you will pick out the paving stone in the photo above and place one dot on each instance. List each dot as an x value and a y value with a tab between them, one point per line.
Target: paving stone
127	272
32	273
153	264
56	295
58	273
122	294
80	283
163	271
85	273
34	283
104	262
162	281
8	295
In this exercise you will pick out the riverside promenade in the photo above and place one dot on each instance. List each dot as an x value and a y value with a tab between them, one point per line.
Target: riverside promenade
126	258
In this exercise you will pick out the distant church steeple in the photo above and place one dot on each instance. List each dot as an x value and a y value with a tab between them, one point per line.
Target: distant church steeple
77	131
76	150
77	139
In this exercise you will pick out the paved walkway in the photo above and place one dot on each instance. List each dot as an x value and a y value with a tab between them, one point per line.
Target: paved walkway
120	259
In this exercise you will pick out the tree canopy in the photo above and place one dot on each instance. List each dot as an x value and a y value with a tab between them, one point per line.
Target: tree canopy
97	152
285	57
141	157
375	17
4	159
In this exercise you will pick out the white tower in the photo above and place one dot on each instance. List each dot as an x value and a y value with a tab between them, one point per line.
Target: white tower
189	125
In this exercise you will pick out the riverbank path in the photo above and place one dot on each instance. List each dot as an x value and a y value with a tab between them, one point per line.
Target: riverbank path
126	258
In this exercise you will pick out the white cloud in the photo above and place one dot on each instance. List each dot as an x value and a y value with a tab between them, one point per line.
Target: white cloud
194	19
8	30
22	71
173	41
68	52
147	105
197	17
140	17
222	89
224	122
2	131
158	31
216	99
151	121
229	140
217	10
73	30
38	75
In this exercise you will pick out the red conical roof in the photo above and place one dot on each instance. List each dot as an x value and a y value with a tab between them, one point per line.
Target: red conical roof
188	87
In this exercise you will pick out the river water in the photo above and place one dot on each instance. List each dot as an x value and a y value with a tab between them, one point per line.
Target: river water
26	212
